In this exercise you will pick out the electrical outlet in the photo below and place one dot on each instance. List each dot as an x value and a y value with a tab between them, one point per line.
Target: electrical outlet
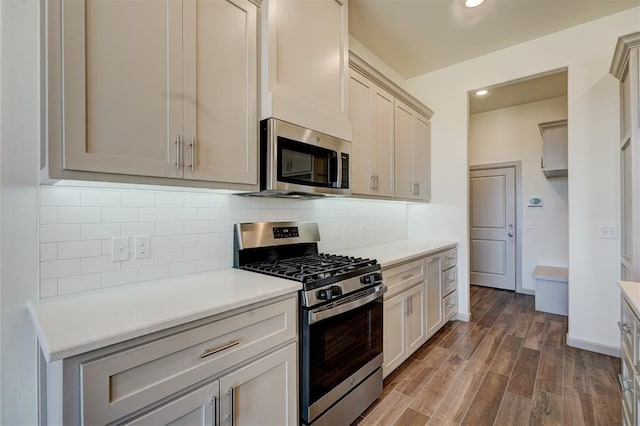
609	232
143	247
119	249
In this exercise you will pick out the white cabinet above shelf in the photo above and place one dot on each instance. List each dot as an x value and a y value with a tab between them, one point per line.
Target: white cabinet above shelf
554	161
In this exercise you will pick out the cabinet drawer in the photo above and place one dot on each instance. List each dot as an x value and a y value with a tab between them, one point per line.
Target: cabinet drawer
627	325
449	258
450	305
626	381
400	278
449	281
117	385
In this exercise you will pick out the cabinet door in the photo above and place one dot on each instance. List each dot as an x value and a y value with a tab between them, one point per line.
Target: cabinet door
435	318
122	80
263	392
305	72
220	84
555	147
394	337
422	157
404	183
416	327
195	408
383	134
361	114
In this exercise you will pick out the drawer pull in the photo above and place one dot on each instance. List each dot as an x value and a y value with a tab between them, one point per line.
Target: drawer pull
406	277
624	327
623	381
450	305
232	416
221	348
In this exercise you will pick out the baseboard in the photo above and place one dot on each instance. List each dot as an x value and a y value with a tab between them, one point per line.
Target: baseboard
526	291
593	347
463	317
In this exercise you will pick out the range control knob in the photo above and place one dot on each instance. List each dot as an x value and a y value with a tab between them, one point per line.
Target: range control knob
335	291
323	295
368	279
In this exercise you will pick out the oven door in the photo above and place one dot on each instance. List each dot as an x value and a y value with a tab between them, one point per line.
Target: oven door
341	345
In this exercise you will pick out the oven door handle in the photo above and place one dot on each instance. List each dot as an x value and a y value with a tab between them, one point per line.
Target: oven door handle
322	314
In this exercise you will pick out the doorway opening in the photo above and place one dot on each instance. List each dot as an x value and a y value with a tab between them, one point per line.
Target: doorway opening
518	208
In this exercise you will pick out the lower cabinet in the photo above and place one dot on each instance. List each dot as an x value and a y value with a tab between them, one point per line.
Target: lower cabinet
629	376
422	296
239	368
404	326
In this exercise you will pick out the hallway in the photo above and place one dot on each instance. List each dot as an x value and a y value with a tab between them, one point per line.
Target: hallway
509	366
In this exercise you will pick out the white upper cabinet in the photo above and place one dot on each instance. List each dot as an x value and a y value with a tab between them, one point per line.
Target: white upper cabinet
412	154
305	64
156	88
371	113
219	106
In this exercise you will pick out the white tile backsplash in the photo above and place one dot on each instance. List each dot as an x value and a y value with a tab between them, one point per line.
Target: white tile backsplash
190	231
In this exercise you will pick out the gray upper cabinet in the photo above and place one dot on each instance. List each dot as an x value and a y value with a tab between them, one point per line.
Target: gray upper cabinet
391	146
162	89
554	161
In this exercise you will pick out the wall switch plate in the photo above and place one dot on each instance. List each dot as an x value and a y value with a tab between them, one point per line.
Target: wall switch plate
143	247
609	232
119	249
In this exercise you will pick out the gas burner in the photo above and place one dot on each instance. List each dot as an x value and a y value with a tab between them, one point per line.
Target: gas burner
310	268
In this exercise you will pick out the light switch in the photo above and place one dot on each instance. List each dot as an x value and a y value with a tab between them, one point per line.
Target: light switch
119	249
609	232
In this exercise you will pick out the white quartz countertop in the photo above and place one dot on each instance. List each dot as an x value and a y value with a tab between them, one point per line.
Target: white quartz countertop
72	324
391	254
631	291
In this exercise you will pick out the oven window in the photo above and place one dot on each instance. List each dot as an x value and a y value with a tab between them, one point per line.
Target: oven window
305	164
341	345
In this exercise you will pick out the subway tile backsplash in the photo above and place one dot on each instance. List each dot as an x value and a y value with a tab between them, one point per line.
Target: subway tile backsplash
190	232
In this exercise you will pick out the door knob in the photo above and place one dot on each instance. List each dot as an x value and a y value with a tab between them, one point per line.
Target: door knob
510	234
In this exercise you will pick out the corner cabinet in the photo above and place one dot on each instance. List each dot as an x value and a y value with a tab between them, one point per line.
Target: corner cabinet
305	70
163	89
238	368
391	145
629	376
626	68
412	154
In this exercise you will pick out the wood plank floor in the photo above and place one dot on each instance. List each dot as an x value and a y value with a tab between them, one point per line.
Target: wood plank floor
509	366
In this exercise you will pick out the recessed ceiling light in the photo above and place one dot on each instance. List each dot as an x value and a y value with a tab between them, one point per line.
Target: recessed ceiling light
482	92
473	3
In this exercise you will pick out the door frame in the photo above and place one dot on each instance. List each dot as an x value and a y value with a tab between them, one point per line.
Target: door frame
517	166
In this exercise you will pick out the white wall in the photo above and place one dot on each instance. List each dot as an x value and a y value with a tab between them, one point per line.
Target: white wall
190	231
586	50
19	142
512	134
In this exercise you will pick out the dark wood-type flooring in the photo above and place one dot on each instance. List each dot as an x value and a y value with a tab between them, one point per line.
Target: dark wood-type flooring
509	366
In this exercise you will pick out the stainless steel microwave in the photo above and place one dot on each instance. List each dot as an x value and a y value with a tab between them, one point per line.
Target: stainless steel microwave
298	162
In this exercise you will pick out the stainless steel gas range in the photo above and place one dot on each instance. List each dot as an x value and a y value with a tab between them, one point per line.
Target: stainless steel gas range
340	317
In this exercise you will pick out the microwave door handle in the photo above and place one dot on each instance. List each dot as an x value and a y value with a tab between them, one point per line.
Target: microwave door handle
334	170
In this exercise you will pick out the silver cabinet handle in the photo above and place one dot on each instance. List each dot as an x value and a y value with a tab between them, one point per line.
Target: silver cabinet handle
406	277
372	182
623	382
231	416
450	305
193	154
214	402
542	162
377	180
624	327
177	143
211	351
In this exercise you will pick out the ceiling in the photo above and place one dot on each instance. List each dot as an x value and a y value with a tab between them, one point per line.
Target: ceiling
521	92
418	36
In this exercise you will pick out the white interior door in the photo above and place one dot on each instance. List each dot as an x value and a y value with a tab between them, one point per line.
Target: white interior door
493	227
